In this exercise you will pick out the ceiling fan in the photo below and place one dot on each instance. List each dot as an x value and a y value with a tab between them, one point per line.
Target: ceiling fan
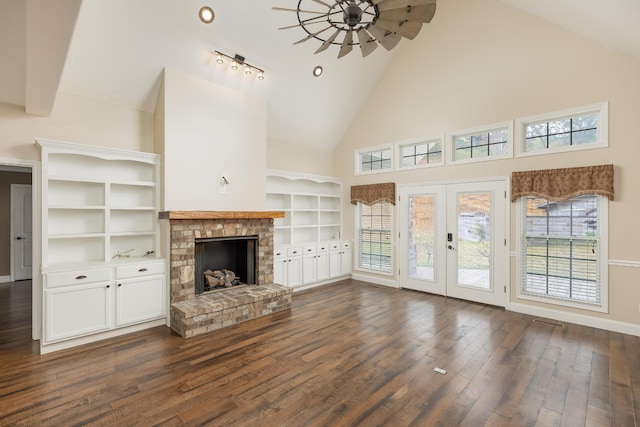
374	22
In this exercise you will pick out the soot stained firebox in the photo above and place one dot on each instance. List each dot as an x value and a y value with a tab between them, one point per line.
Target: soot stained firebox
236	254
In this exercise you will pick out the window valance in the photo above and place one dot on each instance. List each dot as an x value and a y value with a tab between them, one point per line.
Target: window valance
563	184
374	193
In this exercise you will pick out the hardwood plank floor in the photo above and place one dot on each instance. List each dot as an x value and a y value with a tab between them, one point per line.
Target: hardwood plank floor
346	354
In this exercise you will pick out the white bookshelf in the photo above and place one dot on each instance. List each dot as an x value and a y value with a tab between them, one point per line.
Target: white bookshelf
311	205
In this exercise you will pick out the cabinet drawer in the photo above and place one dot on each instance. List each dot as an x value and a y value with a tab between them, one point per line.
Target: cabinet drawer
309	250
334	246
78	277
322	247
294	252
137	270
345	245
279	253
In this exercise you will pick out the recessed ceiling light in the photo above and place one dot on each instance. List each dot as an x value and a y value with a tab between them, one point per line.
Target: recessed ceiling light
206	14
317	71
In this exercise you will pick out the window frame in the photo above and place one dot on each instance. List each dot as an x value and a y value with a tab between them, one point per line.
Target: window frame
358	228
366	150
451	140
603	262
413	142
600	109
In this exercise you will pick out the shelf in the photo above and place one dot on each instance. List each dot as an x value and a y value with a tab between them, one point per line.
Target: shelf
311	205
75	236
75	193
81	221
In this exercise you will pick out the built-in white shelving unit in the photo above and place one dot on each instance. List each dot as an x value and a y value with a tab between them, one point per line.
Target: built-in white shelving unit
311	205
100	265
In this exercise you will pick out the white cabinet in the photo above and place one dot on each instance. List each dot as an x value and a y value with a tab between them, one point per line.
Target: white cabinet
140	293
100	240
310	264
84	302
311	205
73	311
287	267
340	259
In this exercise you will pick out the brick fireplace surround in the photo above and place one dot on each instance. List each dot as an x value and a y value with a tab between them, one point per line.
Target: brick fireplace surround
193	315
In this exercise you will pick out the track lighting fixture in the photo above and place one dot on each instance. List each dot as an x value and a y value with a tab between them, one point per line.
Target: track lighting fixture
237	61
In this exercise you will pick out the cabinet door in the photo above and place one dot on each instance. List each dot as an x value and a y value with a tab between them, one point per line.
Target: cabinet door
345	262
141	299
294	271
322	266
280	271
308	269
334	264
73	311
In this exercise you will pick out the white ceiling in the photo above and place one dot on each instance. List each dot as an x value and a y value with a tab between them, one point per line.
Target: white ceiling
120	47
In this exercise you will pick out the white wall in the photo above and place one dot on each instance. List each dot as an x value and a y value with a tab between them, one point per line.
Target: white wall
481	62
212	131
297	158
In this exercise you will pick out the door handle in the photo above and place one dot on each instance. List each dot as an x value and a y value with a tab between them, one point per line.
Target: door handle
19	238
451	247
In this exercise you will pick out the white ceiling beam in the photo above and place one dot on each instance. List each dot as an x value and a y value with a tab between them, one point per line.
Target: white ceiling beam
50	26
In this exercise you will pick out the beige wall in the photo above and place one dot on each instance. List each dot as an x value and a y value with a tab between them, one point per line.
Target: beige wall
211	131
6	179
298	158
462	72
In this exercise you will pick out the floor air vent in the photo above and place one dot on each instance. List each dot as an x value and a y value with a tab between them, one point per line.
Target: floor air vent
548	322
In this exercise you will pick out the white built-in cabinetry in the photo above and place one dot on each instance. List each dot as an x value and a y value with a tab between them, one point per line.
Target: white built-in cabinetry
100	242
308	249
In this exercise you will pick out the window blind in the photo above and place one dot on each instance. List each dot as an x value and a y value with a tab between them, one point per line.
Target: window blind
374	237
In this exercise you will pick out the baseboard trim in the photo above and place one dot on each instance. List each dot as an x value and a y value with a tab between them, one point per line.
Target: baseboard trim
5	279
322	283
580	319
375	280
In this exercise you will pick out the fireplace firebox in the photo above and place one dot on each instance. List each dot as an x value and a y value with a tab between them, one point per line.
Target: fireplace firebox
221	256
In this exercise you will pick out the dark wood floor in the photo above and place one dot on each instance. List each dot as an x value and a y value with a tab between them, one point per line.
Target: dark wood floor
346	354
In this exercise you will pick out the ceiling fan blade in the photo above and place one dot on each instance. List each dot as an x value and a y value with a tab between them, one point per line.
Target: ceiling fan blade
405	28
297	10
367	43
310	36
393	4
323	3
387	39
346	45
422	13
327	42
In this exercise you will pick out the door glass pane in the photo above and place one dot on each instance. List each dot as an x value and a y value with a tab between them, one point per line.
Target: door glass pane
421	237
474	240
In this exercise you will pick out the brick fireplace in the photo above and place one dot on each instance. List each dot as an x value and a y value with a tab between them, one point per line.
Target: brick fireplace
193	314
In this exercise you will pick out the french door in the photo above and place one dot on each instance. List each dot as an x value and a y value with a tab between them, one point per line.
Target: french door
453	240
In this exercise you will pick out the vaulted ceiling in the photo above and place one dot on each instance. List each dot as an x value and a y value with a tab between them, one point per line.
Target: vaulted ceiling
118	49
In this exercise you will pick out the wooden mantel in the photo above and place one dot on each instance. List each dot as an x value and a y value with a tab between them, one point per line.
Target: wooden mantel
220	214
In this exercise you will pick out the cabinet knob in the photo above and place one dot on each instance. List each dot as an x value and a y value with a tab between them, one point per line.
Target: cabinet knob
119	284
108	286
82	276
142	270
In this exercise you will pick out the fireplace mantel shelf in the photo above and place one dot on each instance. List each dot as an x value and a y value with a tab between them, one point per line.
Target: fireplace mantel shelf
220	214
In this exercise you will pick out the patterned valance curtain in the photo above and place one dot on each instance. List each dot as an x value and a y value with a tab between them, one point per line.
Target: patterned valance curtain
563	184
374	193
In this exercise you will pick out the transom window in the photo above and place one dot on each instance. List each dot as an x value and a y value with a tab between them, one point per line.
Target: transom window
420	154
481	144
576	129
379	159
374	237
562	243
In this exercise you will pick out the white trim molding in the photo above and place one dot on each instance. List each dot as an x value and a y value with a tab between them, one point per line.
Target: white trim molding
375	280
624	263
450	141
5	279
580	319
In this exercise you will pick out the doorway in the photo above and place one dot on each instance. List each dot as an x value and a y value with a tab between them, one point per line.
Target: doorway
453	240
18	284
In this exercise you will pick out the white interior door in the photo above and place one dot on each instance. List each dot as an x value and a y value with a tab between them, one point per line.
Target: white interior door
21	233
477	254
453	240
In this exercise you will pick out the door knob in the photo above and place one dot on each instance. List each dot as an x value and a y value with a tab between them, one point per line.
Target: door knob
19	238
451	247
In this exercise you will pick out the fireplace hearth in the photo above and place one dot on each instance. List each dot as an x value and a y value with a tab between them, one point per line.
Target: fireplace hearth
193	314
